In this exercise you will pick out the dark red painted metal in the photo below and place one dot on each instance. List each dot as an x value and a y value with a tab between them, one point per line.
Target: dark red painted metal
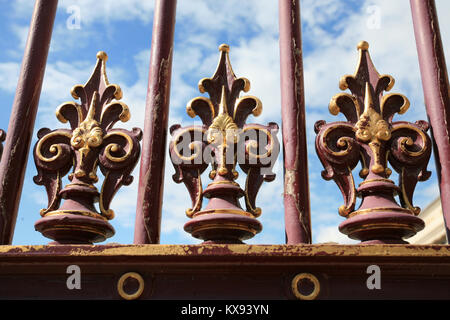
2	138
436	92
296	186
225	272
151	177
23	114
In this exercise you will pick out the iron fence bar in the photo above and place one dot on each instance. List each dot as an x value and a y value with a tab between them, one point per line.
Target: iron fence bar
23	115
151	176
436	92
296	186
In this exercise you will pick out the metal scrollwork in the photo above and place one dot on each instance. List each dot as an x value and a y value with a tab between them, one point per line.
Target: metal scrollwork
372	138
89	144
224	141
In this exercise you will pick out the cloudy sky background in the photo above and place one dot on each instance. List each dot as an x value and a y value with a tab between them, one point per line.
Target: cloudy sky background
123	28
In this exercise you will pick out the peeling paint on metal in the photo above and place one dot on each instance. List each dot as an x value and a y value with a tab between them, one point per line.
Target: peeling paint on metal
218	250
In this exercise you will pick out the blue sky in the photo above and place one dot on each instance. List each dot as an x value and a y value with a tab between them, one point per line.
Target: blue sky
123	29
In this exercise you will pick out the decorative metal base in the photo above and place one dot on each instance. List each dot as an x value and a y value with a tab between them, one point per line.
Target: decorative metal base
380	219
74	228
382	227
223	228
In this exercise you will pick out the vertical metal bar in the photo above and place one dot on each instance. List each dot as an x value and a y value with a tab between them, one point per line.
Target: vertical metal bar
296	187
436	92
23	115
151	176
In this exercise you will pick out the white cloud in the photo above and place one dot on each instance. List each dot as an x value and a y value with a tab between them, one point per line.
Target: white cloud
9	74
93	11
330	233
21	32
258	61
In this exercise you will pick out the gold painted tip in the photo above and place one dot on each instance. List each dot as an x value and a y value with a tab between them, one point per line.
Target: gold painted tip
201	88
257	212
343	211
102	55
368	100
246	85
377	168
73	93
224	47
223	108
109	214
363	45
118	94
222	171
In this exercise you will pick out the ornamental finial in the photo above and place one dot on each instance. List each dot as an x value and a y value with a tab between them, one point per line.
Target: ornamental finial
88	144
362	45
224	141
369	136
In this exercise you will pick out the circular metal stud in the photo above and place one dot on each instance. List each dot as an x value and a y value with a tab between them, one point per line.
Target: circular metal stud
122	282
301	284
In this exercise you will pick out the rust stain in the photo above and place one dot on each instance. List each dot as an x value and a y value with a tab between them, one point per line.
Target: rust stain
289	190
159	101
289	180
135	250
218	250
21	249
5	186
291	175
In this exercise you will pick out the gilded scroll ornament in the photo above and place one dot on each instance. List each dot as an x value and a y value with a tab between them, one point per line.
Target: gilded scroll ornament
89	144
372	138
